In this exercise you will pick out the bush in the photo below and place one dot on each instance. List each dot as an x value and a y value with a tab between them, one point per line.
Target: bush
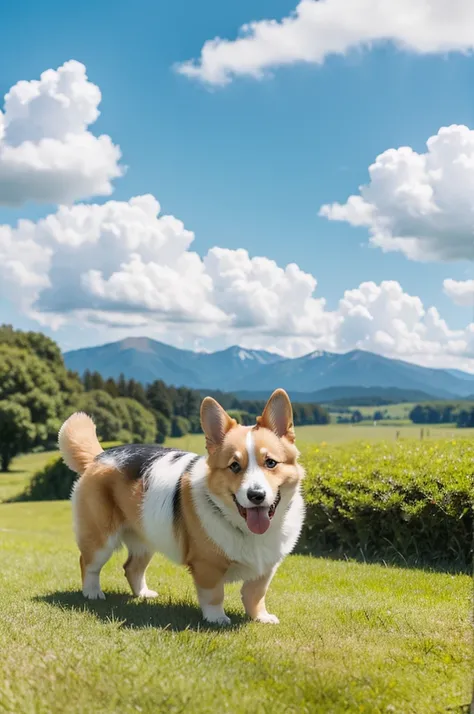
402	503
53	483
405	503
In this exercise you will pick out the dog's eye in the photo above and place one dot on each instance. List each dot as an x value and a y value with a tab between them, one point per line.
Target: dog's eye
235	467
270	463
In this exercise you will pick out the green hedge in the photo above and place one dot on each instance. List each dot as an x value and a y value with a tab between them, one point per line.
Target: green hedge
405	502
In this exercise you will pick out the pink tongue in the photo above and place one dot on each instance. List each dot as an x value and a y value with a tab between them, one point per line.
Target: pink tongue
258	520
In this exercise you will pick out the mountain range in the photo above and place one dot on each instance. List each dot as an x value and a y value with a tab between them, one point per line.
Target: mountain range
240	370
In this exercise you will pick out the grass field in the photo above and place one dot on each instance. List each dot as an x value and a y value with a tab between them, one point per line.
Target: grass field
353	637
345	433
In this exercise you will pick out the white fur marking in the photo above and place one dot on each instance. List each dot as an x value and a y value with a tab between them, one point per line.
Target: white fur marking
157	514
268	619
254	478
212	613
91	588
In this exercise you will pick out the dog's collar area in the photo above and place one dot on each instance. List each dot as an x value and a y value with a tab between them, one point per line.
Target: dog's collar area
271	510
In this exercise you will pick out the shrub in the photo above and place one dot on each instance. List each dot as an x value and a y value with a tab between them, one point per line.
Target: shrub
403	503
53	483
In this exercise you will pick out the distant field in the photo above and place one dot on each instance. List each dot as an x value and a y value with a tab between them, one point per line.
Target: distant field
341	433
25	466
399	412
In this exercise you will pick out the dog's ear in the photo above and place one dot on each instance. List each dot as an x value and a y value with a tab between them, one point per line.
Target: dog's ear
215	423
278	415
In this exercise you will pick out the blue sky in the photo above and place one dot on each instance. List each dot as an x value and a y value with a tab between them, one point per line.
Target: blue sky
250	164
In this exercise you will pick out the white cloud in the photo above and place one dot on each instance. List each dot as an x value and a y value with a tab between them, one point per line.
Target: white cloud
47	153
146	279
421	205
319	28
461	292
257	294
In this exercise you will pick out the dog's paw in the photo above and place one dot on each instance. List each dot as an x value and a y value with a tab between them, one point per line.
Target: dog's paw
93	594
147	593
221	620
268	619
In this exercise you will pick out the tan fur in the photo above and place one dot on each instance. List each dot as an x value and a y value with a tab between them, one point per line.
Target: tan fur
78	442
253	597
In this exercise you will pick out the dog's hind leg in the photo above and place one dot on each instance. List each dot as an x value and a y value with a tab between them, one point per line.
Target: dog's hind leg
93	558
97	527
136	564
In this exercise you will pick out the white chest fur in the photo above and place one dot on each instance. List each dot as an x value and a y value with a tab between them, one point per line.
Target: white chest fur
252	555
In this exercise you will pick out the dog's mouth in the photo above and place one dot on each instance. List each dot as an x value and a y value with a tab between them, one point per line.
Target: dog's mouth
258	519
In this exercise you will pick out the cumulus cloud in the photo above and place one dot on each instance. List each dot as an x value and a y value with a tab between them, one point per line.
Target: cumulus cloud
421	205
146	273
146	278
47	153
257	294
385	319
319	28
460	291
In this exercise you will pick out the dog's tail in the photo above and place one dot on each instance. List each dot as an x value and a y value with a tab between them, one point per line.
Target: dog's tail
78	442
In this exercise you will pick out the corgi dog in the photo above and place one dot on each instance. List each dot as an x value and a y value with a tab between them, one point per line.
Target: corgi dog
231	516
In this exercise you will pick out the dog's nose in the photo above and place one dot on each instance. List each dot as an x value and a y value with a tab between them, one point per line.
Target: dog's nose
256	495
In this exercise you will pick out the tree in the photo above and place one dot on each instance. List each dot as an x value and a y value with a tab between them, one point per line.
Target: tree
179	426
104	411
136	391
97	381
31	382
111	388
140	422
158	398
356	417
122	386
163	428
17	431
87	380
121	419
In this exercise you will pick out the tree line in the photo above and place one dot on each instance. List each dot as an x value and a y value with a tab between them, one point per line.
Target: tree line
461	414
37	393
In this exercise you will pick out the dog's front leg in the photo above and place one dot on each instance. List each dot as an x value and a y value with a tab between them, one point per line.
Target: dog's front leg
253	597
209	583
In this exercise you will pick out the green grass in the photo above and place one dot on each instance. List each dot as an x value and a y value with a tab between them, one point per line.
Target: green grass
353	637
345	433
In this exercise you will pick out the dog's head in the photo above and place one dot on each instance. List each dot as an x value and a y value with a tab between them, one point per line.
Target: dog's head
252	469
